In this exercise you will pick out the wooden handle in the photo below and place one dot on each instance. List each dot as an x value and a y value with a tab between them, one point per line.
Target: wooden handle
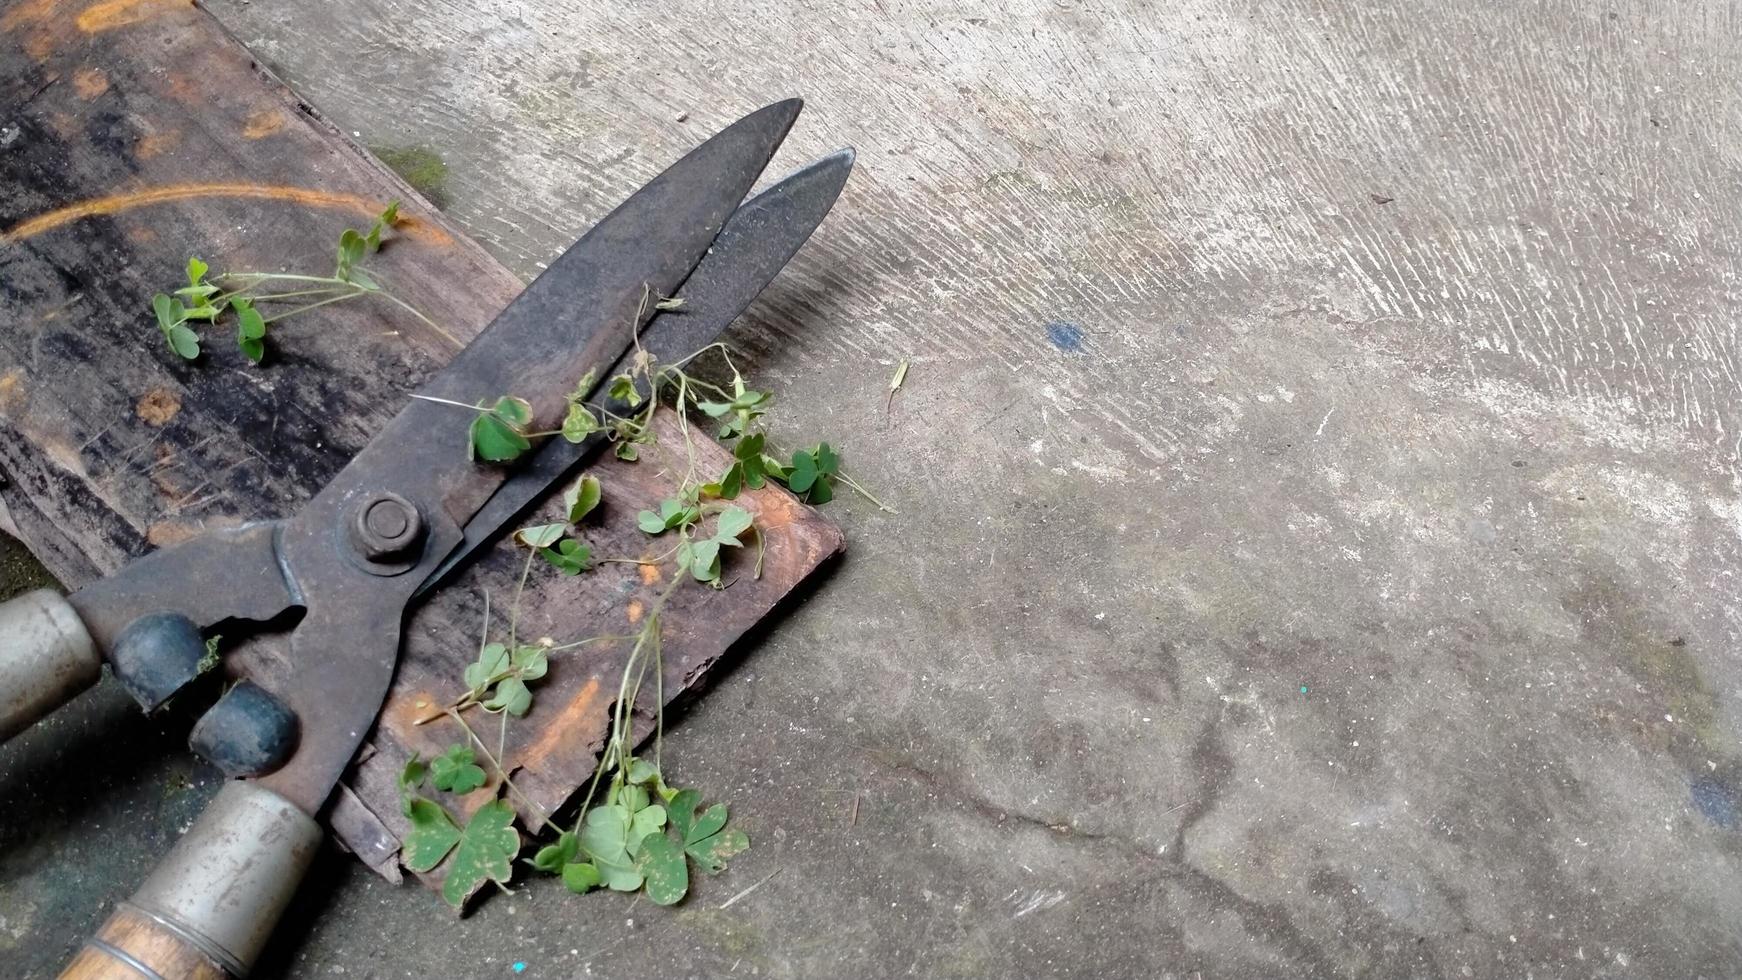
134	946
208	909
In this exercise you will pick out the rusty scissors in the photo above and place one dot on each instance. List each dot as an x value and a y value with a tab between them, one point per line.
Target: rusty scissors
388	528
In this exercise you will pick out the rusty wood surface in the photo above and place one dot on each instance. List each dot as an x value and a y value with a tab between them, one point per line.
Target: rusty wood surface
137	133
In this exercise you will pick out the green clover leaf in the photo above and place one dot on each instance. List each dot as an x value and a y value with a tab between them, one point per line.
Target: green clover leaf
569	557
813	473
512	695
172	322
643	773
579	423
733	522
748	453
530	662
455	770
705	837
605	839
250	330
351	248
551	858
492	660
581	498
581	877
411	777
485	852
622	389
540	535
745	408
498	435
663	868
673	513
703	560
432	836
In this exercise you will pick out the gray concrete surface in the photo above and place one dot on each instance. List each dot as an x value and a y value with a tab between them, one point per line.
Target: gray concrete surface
1320	497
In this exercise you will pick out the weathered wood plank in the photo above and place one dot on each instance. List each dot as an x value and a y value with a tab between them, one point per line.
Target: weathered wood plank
137	133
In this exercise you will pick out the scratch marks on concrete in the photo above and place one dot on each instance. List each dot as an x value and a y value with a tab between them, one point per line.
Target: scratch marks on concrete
1030	902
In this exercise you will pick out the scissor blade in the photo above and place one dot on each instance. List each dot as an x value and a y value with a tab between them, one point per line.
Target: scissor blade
580	314
758	240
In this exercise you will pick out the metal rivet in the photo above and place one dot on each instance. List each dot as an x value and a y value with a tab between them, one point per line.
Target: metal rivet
387	519
386	527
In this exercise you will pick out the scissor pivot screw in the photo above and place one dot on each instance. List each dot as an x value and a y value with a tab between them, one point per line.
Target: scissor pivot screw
386	528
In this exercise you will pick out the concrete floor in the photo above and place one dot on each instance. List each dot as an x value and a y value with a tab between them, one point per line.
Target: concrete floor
1320	498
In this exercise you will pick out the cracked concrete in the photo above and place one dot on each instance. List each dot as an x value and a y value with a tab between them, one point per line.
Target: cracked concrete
1320	500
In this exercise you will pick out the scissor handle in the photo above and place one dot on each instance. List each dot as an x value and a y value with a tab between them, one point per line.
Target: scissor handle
131	937
46	658
207	910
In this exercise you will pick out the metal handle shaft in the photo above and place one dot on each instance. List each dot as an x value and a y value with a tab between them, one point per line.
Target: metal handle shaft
46	657
210	906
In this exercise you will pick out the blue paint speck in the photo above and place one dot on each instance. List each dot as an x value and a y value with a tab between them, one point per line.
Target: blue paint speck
1303	689
1717	801
520	968
1065	336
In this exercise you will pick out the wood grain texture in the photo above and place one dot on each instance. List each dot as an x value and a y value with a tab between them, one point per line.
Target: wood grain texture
136	936
139	133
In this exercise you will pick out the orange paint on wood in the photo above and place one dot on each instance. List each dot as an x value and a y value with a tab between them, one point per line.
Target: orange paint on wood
28	13
32	19
162	534
153	144
90	82
110	14
577	716
12	396
263	123
403	713
182	87
305	196
158	406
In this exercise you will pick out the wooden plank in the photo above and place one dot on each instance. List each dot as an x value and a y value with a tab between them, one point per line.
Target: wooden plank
137	133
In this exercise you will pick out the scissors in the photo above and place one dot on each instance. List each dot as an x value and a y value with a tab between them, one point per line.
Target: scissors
405	512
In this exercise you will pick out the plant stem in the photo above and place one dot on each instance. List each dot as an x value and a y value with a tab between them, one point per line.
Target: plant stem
313	306
270	297
331	282
407	307
543	815
861	491
444	401
590	639
619	745
514	610
286	277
